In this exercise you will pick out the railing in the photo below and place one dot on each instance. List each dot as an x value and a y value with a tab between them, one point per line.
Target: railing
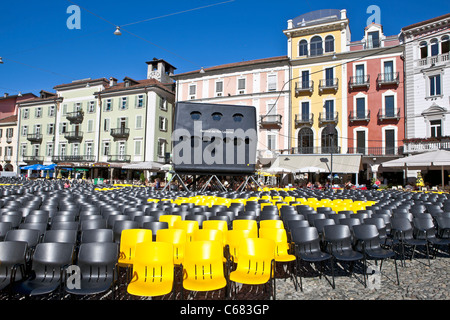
388	78
359	116
75	117
315	150
417	147
394	115
73	158
271	120
372	44
434	59
119	158
325	84
304	86
120	132
329	117
34	137
74	135
265	154
359	81
307	118
376	151
33	159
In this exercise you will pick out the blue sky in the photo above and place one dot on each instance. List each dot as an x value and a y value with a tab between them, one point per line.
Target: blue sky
39	51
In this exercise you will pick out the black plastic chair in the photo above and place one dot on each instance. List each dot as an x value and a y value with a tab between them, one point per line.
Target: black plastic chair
96	235
338	243
402	233
61	236
121	225
368	243
30	236
320	223
13	263
93	224
14	219
196	217
65	225
4	228
424	228
155	226
307	246
142	219
47	269
97	262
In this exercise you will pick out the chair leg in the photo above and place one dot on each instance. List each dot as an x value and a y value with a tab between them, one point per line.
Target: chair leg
332	272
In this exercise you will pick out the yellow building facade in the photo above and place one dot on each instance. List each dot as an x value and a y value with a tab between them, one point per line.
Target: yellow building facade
316	41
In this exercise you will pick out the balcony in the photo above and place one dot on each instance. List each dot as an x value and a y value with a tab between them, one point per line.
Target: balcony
75	117
316	150
386	79
73	136
120	133
428	61
425	145
359	82
34	137
328	84
73	158
359	116
384	115
304	119
376	151
33	159
119	158
328	117
271	121
304	86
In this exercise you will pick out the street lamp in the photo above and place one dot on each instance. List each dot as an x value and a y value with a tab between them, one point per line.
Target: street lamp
330	131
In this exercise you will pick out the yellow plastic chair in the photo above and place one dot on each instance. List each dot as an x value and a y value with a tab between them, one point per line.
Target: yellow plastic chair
176	237
203	267
246	224
271	224
153	270
187	225
233	240
217	225
256	263
128	240
170	219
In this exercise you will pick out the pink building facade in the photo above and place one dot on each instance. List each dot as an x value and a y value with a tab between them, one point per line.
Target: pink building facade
259	83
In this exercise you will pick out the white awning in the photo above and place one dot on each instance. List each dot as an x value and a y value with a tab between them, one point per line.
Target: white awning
342	163
147	165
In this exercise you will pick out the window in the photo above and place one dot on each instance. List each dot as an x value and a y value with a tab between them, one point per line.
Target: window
1	133
361	142
436	128
51	111
329	141
62	149
305	80
161	147
122	150
138	122
445	44
423	46
271	142
108	105
75	149
36	150
24	131
50	128
389	106
272	82
388	70
316	46
137	147
9	132
106	148
303	48
329	44
124	103
241	86
305	111
219	88
162	124
77	106
23	150
192	91
37	129
435	85
26	113
106	125
389	140
305	141
373	40
91	107
329	110
88	149
434	47
360	73
64	109
140	101
360	108
63	127
163	103
49	150
90	125
329	77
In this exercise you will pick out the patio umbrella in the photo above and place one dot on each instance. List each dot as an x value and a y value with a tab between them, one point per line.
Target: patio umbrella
278	170
310	170
49	167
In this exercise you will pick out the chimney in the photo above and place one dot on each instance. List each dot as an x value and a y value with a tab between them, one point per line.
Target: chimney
290	24
112	81
343	14
6	94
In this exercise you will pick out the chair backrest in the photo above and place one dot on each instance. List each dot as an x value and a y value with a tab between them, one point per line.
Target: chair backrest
401	228
121	225
208	235
65	225
203	260
256	257
98	260
97	235
93	224
292	224
12	253
245	224
306	239
170	219
366	236
320	223
14	219
234	239
177	238
271	224
50	257
61	236
129	239
4	228
37	218
30	236
337	236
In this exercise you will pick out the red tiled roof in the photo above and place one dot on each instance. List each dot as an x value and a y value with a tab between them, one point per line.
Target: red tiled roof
80	82
139	84
418	24
12	118
237	64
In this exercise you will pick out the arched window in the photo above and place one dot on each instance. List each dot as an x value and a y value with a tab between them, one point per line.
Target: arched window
303	48
329	141
434	47
329	44
305	141
423	49
316	46
445	44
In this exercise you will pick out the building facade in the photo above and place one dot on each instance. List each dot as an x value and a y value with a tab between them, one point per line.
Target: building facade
260	83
